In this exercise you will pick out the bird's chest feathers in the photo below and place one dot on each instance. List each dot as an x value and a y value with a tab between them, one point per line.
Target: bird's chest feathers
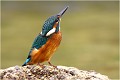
46	51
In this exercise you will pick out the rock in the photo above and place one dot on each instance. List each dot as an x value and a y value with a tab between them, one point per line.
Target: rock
45	72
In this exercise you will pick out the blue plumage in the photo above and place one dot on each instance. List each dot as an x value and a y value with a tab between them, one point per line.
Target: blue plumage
39	41
48	25
28	59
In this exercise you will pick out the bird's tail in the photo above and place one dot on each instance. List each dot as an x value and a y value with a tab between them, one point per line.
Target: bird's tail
28	59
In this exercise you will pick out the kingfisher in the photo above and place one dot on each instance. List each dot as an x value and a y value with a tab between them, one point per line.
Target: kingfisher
46	43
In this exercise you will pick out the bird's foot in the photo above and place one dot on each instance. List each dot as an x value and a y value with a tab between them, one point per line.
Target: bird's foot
51	64
41	65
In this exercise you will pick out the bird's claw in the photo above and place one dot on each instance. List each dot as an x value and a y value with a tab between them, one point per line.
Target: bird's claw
41	65
52	64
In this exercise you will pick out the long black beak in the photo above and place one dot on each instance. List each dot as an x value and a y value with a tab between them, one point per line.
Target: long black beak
62	12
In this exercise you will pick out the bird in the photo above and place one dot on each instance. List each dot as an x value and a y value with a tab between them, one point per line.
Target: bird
47	41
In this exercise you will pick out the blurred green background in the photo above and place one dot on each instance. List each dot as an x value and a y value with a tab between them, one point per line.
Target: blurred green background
90	33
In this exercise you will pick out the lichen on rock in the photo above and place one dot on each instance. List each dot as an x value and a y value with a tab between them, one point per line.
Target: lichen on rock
45	72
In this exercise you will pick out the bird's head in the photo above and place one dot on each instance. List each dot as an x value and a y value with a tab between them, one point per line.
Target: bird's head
52	24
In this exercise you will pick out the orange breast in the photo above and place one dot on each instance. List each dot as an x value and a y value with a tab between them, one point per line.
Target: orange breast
46	51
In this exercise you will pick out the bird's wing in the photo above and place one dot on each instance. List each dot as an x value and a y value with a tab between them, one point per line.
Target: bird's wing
38	42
